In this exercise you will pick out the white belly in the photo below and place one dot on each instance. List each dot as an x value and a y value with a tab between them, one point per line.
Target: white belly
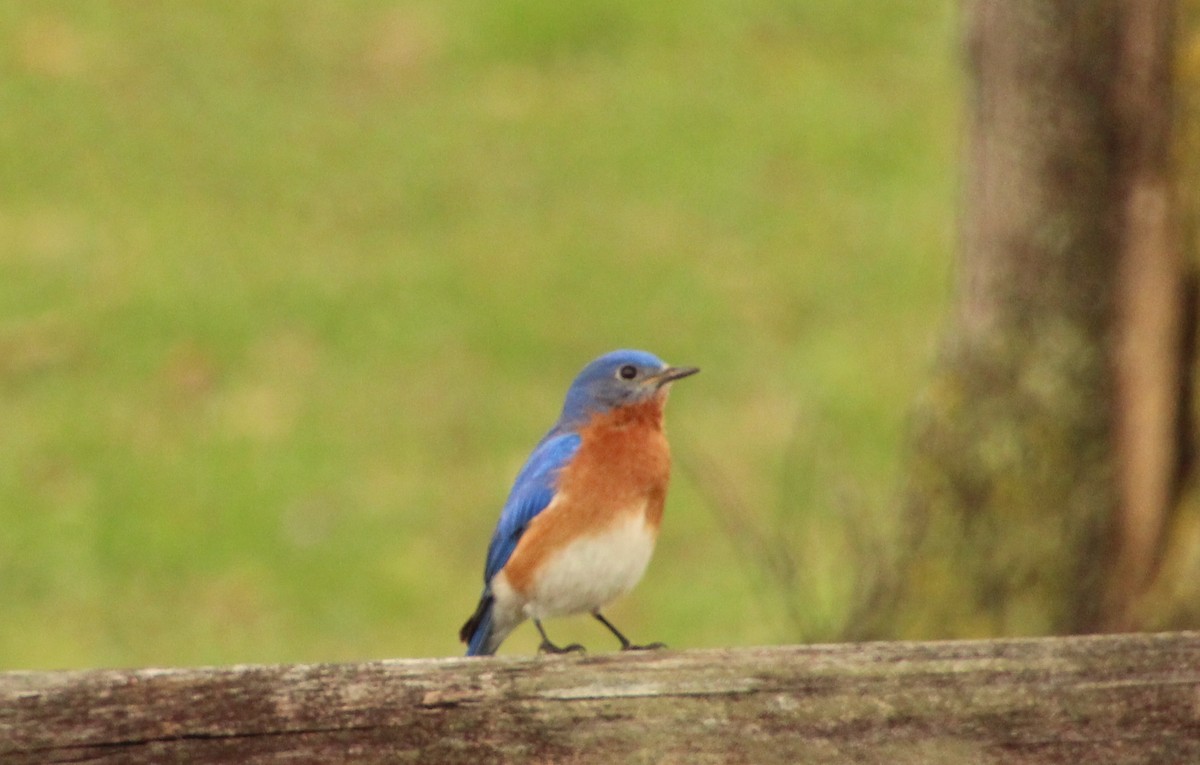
594	570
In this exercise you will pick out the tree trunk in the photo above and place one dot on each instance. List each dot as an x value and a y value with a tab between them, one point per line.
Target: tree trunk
1174	596
1150	301
1045	453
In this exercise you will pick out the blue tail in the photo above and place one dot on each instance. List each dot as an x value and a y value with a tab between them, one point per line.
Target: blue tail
477	632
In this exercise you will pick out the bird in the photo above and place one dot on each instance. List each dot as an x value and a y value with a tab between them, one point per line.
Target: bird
579	525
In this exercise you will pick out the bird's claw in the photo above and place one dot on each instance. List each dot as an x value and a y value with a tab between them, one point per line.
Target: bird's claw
647	647
548	647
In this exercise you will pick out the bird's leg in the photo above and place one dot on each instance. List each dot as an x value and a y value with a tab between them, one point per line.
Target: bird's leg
626	645
548	647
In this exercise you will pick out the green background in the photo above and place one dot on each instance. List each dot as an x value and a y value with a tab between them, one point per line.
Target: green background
289	290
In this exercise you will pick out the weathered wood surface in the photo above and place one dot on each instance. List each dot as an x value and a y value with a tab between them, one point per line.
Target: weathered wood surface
1108	699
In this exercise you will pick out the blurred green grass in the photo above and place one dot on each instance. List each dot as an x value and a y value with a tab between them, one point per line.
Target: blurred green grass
288	290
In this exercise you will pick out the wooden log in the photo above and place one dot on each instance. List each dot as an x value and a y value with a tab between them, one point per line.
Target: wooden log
1105	699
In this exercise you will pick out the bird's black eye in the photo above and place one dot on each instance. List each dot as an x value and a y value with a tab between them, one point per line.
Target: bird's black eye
627	372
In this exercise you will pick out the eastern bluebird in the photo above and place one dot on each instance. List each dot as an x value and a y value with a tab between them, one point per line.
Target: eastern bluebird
580	523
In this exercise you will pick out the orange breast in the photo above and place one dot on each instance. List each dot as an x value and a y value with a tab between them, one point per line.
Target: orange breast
623	465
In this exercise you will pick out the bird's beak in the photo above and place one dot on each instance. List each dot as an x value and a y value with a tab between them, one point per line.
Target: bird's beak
671	374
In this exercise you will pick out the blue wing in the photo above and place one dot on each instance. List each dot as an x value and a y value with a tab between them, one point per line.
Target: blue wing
531	492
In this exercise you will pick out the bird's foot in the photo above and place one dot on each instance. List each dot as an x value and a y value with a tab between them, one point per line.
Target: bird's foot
626	643
647	647
548	647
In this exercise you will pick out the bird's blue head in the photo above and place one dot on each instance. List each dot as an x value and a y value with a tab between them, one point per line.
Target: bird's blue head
616	379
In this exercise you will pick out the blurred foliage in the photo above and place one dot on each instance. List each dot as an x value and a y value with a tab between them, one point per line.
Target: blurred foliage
288	290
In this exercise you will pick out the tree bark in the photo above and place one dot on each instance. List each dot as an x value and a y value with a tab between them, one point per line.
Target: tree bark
1114	699
1045	453
1152	360
1174	595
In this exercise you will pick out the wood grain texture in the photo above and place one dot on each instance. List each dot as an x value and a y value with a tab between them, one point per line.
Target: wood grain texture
1110	699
